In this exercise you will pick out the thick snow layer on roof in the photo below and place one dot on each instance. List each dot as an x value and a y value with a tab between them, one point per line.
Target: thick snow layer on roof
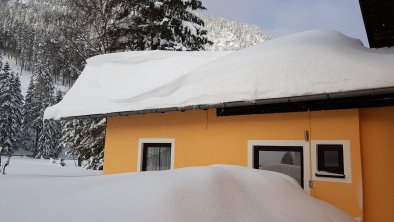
308	63
215	193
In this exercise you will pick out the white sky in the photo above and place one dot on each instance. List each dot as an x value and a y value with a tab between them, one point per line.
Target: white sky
283	17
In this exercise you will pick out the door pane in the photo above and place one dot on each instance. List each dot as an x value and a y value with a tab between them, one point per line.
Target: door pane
286	160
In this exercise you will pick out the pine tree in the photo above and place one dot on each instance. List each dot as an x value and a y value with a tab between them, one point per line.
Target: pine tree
10	106
159	24
84	139
30	113
41	98
47	131
71	137
17	105
48	144
5	123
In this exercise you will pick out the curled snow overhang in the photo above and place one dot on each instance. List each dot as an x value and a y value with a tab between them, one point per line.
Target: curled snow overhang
317	64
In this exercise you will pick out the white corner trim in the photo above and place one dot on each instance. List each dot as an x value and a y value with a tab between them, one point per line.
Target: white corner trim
347	164
302	143
155	140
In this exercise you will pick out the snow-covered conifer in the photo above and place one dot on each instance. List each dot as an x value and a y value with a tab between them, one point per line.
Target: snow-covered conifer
84	139
17	106
158	24
47	131
10	111
48	142
30	113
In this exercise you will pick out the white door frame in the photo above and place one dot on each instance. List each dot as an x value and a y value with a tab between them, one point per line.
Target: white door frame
300	143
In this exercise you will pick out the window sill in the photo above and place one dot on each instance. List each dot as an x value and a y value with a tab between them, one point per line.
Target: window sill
330	175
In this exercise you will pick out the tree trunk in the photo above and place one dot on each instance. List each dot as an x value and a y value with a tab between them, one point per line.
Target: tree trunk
79	161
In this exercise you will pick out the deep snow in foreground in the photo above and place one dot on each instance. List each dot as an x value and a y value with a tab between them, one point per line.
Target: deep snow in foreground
215	193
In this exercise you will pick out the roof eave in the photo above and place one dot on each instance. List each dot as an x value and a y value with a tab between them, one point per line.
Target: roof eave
317	97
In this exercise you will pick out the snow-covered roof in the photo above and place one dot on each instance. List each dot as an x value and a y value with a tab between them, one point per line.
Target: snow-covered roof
308	63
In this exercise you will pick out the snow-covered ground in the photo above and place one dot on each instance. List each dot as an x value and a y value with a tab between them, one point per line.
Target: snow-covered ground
21	167
36	191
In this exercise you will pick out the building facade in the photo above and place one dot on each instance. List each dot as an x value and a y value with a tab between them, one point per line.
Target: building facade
358	142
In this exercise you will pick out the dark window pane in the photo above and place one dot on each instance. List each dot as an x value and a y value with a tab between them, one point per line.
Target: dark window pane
156	157
331	159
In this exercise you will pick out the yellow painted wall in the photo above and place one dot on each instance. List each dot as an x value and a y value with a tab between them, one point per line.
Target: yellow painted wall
340	125
201	137
204	139
377	145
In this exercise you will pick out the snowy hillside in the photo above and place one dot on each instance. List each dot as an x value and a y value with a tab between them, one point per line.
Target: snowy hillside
23	74
214	193
228	35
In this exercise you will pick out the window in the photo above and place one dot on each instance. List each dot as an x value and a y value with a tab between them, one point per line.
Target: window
289	157
330	160
156	154
283	159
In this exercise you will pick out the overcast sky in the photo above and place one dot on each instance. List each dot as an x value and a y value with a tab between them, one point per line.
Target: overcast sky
283	17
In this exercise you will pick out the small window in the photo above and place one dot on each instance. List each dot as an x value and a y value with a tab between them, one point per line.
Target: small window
156	156
330	160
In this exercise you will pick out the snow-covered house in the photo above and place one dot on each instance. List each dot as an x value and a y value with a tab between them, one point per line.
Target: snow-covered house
317	106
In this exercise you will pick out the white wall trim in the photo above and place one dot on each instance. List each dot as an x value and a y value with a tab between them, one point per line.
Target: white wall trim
347	164
302	143
155	140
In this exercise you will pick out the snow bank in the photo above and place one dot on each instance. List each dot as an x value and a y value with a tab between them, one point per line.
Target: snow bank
216	193
309	63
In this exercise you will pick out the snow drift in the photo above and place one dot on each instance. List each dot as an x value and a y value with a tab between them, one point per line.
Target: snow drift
215	193
309	63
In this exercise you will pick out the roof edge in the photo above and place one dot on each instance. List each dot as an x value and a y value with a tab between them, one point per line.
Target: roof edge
317	97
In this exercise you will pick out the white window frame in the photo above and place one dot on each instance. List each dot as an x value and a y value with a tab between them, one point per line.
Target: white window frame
347	164
141	143
301	143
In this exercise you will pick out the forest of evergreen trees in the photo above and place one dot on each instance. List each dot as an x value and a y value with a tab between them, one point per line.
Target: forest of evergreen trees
53	38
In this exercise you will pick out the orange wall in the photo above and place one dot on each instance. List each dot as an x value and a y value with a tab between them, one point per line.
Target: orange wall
204	139
377	144
340	125
201	137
